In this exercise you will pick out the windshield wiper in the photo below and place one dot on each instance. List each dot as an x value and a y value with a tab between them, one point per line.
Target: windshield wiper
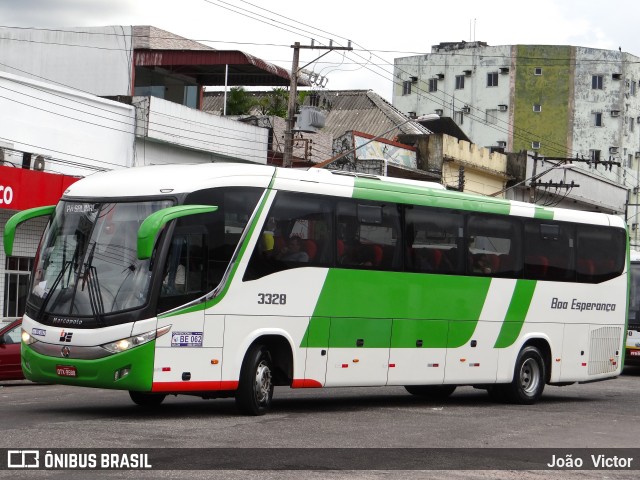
90	278
54	285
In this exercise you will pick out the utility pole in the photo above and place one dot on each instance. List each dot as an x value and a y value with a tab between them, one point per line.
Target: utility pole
287	160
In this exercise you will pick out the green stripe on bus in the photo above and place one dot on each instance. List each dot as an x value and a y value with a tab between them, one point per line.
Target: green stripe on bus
377	190
543	213
446	307
516	314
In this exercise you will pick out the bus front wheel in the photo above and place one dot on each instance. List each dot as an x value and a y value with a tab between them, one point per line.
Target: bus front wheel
144	399
255	390
528	378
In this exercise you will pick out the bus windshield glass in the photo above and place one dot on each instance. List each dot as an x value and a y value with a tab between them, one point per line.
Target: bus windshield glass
634	297
87	262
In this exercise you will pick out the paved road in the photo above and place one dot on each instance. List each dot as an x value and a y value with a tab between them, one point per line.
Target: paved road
598	415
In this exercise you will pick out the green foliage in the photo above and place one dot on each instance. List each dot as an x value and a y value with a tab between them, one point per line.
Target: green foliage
275	103
239	101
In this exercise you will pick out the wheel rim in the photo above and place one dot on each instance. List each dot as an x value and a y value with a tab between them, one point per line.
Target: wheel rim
263	383
530	376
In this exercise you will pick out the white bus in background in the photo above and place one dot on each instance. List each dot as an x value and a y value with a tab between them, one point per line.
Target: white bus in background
221	280
632	356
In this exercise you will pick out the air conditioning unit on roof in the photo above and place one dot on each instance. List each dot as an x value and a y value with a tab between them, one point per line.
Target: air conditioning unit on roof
502	108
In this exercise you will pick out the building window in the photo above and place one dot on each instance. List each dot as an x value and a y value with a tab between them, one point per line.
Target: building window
433	84
535	145
537	71
631	124
491	116
537	107
16	286
458	117
596	82
459	82
492	79
595	155
406	87
597	119
632	87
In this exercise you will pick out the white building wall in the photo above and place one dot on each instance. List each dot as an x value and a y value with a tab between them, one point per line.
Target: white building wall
622	95
476	94
68	58
77	133
209	137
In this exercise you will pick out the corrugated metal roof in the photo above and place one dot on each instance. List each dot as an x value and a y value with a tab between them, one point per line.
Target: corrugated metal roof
147	37
361	110
365	111
154	47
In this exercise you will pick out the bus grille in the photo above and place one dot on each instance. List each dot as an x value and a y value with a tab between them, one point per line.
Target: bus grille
604	352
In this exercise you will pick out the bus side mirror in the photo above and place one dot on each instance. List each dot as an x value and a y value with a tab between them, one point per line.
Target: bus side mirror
151	226
17	219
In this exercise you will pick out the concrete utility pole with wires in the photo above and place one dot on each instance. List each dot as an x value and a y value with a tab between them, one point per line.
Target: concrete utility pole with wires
287	160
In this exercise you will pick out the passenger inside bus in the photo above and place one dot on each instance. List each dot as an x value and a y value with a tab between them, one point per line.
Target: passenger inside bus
293	251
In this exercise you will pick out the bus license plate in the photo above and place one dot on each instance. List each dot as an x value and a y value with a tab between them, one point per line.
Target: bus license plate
634	353
66	371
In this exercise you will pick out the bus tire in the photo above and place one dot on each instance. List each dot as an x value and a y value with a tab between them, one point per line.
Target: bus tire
255	389
144	399
435	392
528	378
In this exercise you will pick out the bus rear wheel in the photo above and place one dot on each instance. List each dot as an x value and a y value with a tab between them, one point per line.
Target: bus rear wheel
436	392
528	378
144	399
255	390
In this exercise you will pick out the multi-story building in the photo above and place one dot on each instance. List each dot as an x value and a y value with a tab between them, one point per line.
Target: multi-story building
558	101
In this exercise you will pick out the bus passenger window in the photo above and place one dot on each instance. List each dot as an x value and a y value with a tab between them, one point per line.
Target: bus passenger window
297	233
368	235
433	237
549	251
494	246
595	264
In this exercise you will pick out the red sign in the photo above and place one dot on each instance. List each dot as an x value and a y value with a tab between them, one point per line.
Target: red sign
21	189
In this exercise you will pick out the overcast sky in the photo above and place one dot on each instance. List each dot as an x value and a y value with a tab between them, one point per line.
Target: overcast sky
380	31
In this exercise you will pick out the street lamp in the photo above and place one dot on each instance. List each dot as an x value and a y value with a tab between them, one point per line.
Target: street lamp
430	117
563	166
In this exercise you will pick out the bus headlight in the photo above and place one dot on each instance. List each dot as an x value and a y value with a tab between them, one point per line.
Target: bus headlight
130	342
27	338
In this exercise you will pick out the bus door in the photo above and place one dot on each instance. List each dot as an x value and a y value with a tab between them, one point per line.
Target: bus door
193	350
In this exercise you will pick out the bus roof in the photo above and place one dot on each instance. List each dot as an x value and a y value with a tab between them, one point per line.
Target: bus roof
157	180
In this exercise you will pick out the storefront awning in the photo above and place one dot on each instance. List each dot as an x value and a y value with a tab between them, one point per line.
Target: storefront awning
21	189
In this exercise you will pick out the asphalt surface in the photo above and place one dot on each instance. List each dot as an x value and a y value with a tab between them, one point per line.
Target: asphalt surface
596	416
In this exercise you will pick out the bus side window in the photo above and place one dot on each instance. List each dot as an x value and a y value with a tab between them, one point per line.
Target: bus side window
297	233
369	235
549	251
596	264
432	238
494	245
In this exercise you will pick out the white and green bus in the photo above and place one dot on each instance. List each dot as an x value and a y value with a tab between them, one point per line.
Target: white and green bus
633	335
221	280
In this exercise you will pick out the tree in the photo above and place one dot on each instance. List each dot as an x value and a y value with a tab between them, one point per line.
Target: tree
274	103
239	101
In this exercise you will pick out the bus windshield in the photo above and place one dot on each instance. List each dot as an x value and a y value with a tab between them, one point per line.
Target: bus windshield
634	297
87	262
